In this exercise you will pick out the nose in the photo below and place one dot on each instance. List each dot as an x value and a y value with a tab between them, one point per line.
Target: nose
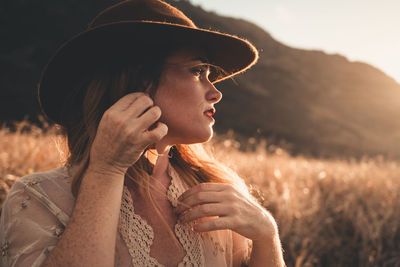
213	94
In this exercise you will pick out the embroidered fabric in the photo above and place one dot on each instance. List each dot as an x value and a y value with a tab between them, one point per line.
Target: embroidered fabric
135	231
189	239
174	191
40	206
138	234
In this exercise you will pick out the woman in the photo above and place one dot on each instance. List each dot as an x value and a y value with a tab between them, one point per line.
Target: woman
135	96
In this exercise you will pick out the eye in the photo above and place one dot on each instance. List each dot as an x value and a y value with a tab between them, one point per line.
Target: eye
200	70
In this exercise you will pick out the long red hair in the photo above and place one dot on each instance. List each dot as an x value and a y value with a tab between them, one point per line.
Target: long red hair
101	89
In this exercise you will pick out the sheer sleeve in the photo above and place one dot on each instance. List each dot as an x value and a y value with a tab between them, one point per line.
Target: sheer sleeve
242	247
30	224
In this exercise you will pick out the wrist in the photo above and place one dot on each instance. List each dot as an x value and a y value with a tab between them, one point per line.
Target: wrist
104	170
267	252
267	229
268	241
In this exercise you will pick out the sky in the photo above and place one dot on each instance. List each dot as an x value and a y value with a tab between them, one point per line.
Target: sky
361	30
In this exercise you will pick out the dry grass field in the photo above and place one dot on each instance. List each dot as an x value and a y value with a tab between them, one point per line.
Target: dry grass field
329	212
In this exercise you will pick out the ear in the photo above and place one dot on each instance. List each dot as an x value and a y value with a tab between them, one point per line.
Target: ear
150	89
148	86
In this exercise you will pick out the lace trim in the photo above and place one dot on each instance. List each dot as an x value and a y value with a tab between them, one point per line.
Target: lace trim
138	234
189	239
174	191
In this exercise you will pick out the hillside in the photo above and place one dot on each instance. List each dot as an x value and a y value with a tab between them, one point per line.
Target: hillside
322	104
329	212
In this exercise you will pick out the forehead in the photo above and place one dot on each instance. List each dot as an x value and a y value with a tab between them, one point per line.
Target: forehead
187	55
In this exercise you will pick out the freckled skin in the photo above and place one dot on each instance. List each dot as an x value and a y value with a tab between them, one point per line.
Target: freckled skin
183	98
178	111
122	135
184	94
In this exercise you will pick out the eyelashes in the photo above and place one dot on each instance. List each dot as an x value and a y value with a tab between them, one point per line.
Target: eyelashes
210	71
201	69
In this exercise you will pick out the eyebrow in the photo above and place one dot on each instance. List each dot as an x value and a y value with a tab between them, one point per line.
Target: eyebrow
201	59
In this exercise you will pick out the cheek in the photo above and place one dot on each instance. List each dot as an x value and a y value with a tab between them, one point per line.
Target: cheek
180	116
180	101
177	105
171	109
176	114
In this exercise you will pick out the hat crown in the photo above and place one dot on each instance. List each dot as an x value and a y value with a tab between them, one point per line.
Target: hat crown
118	31
142	10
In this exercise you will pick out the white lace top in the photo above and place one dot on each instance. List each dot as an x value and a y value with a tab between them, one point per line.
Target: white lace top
38	208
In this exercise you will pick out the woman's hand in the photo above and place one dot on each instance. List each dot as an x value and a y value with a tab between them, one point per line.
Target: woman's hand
235	211
124	133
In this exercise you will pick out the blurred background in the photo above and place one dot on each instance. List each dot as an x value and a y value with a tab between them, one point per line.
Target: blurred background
325	84
313	128
360	30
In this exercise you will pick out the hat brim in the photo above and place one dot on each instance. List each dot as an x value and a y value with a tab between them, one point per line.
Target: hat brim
93	46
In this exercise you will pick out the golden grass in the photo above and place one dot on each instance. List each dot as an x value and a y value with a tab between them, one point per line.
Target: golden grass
329	212
25	150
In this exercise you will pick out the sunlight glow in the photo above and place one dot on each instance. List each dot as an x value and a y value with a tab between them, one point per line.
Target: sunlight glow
361	30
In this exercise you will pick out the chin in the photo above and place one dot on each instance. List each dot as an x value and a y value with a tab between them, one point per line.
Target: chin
198	138
204	140
189	135
206	136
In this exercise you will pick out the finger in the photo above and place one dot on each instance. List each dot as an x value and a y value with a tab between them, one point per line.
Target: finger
200	198
125	101
215	187
205	210
156	134
220	223
150	117
139	106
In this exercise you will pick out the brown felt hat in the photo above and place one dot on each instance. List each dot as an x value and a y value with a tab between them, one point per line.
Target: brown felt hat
133	25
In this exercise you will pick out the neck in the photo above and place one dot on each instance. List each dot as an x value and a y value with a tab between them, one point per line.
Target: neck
159	157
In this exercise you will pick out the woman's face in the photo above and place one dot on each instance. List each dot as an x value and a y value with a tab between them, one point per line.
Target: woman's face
186	98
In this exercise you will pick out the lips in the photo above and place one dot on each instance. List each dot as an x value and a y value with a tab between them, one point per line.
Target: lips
209	112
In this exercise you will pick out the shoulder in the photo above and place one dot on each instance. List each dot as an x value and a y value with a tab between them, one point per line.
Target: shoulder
50	189
38	206
53	183
41	181
57	175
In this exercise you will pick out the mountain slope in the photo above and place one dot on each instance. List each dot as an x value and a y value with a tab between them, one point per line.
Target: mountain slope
322	104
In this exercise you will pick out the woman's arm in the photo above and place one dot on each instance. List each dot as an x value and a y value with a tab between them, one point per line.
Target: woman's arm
267	252
264	253
89	239
122	136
